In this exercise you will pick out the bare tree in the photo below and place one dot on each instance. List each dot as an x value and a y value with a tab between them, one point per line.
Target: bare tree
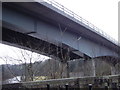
26	60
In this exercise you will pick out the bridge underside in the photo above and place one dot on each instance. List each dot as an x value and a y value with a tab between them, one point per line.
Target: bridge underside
21	40
61	37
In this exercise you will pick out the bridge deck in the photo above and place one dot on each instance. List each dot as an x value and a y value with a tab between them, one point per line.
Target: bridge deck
40	18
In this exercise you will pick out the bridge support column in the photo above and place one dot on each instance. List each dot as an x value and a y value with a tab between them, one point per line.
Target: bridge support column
66	59
67	68
113	71
93	66
67	63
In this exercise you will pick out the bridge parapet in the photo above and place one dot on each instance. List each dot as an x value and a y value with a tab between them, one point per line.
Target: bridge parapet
81	20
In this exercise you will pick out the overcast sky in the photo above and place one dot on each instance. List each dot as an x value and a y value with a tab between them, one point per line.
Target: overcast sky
101	13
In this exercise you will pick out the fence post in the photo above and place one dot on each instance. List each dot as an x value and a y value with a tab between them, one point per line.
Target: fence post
59	88
48	87
106	87
119	87
90	86
66	87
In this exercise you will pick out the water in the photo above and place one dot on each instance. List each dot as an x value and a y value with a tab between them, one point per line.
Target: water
16	79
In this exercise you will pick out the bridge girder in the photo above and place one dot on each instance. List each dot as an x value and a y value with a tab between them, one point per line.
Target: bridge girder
18	17
42	47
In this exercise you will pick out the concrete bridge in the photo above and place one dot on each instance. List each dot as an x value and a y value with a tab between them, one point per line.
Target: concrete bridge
51	29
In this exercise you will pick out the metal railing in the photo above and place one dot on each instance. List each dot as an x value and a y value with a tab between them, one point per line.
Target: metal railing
81	20
104	82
